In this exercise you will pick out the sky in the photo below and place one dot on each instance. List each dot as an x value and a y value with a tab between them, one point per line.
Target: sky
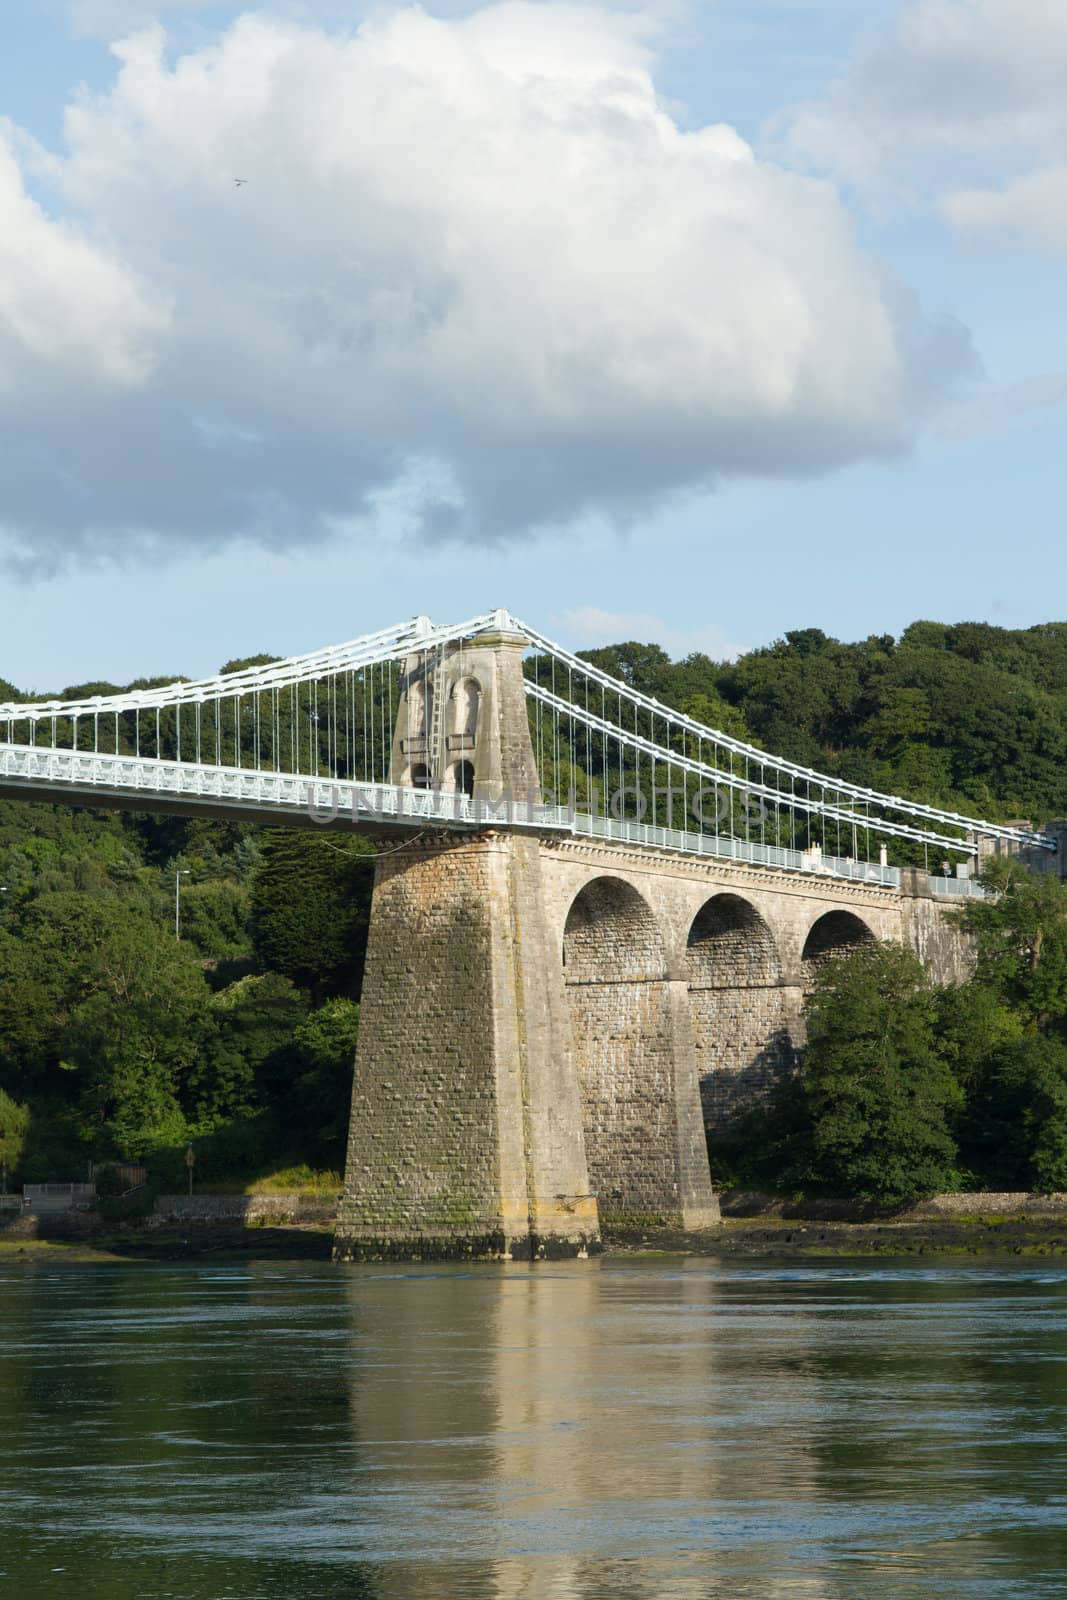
692	321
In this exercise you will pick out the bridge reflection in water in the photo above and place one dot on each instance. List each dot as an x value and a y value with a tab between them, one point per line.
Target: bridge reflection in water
687	1432
652	1430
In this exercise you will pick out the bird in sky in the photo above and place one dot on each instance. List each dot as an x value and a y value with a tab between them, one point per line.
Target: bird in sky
239	181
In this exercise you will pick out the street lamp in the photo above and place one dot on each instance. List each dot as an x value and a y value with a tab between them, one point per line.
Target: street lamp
182	872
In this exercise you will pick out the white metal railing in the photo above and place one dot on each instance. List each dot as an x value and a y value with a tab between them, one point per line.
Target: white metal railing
327	800
771	779
324	800
76	1191
707	844
958	888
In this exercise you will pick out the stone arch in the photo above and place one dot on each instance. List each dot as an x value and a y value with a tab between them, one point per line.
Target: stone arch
611	936
836	933
461	778
614	969
419	705
730	944
744	1020
420	777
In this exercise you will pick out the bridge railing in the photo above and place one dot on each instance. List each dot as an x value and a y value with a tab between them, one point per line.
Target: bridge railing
957	888
586	825
323	800
331	800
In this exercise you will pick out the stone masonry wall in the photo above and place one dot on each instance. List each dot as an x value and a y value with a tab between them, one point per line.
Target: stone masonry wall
934	934
466	1135
745	1039
743	1020
634	1065
422	1156
623	1046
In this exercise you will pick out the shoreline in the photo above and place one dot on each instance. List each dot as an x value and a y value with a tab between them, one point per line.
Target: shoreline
988	1235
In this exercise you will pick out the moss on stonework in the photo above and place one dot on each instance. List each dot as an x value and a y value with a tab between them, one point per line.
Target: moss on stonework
627	1222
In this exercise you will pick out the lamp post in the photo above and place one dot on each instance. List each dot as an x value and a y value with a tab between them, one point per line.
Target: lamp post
182	872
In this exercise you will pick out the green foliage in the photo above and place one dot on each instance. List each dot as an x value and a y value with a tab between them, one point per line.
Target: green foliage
321	1093
972	1022
310	908
246	1054
876	1088
118	1040
1021	941
14	1126
904	1091
868	1115
1015	1132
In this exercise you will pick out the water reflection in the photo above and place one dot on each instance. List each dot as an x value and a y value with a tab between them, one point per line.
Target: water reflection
571	1432
638	1432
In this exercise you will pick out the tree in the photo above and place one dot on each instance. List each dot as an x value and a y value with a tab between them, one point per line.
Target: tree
246	1061
311	908
875	1092
130	1002
1021	941
324	1047
1015	1130
14	1126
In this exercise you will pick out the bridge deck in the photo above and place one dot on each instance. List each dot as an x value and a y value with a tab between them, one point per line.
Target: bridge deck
145	784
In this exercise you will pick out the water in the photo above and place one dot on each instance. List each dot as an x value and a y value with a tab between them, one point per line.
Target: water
604	1429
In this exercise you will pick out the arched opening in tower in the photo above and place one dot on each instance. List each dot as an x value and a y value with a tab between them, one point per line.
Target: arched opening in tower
615	973
466	701
743	1019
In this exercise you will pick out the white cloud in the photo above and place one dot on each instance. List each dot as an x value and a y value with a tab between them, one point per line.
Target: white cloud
591	626
964	98
1032	209
70	312
477	254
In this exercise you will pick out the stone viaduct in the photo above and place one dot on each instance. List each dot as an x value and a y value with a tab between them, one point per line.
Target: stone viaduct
548	1022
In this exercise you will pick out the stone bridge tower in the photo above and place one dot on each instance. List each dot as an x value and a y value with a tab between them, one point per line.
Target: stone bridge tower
466	1134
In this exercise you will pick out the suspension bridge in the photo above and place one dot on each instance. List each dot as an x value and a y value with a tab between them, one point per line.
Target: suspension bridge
594	934
314	737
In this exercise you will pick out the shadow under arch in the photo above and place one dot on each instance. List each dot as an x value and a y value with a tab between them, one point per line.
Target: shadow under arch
730	944
611	936
836	933
461	778
615	976
743	1019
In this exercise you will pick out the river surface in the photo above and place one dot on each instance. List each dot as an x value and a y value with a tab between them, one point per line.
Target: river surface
609	1430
